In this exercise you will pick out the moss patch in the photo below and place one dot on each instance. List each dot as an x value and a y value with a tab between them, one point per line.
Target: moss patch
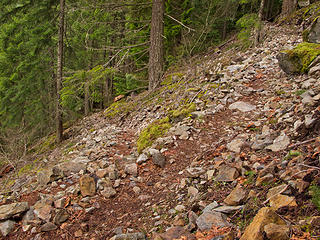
304	54
182	112
120	107
155	130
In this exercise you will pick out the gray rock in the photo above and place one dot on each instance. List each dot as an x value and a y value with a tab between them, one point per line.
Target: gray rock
210	207
234	68
242	106
49	226
235	145
280	143
308	83
13	209
309	121
314	71
43	210
108	192
61	216
68	168
208	219
45	177
228	209
6	227
193	192
260	144
159	160
194	172
227	174
142	158
30	218
131	169
129	236
287	64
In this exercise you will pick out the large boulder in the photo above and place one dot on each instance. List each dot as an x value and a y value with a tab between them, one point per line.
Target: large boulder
298	59
312	34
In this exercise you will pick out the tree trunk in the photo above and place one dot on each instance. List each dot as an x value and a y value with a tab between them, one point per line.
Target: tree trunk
86	97
59	127
288	7
261	17
156	60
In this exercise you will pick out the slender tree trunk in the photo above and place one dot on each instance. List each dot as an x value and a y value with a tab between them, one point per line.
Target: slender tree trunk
86	97
288	7
156	60
261	17
59	127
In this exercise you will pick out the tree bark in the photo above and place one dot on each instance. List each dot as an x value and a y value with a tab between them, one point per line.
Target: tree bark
260	28
288	7
59	127
156	60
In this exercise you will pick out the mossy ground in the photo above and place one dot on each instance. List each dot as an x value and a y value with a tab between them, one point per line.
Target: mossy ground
155	130
304	54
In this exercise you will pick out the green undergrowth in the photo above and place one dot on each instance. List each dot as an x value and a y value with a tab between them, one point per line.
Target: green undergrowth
303	55
155	130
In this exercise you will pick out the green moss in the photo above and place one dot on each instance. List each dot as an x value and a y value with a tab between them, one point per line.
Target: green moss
155	130
171	78
315	193
182	112
25	169
120	107
304	54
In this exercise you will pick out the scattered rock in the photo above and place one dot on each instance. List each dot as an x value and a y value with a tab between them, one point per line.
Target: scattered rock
228	209
159	160
227	174
7	227
129	236
280	143
208	219
235	145
108	192
176	233
131	169
87	186
43	210
280	201
13	210
142	158
242	106
277	232
236	197
101	173
265	179
61	216
264	217
49	226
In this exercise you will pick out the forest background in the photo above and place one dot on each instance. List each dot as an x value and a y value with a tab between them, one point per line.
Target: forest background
62	60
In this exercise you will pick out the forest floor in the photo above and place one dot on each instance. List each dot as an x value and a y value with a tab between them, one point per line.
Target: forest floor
240	152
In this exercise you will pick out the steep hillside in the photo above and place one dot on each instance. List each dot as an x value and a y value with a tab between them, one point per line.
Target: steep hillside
226	141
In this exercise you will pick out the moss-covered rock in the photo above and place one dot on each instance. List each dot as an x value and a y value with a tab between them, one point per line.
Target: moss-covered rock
182	112
298	59
155	130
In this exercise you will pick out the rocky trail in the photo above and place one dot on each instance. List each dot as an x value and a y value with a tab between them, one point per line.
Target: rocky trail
237	166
